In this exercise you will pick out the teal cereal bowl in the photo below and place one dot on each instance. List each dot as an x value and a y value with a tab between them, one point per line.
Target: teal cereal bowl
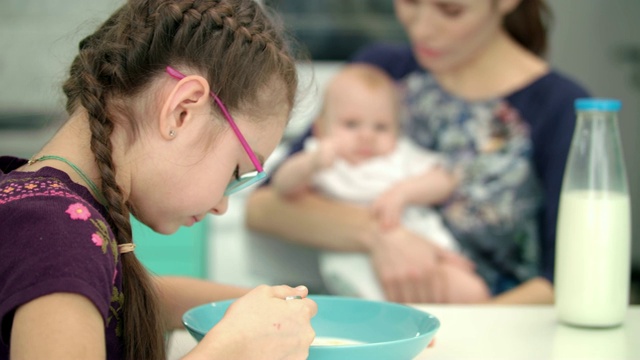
346	328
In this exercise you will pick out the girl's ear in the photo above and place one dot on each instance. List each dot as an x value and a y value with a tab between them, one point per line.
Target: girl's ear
189	97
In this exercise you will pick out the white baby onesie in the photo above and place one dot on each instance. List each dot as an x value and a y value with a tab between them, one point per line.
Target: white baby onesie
351	274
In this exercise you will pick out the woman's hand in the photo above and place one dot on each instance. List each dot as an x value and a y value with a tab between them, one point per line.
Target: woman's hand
408	267
262	325
412	269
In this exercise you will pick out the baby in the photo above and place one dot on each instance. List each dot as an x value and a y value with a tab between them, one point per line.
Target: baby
357	154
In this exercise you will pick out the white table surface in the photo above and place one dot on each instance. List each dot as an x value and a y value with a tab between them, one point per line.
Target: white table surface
506	332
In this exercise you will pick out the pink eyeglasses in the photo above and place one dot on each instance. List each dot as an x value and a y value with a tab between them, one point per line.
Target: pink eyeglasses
243	180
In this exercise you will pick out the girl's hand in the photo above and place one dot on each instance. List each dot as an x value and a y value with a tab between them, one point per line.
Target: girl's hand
262	325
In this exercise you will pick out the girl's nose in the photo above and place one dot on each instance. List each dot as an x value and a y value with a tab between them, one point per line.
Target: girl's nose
221	207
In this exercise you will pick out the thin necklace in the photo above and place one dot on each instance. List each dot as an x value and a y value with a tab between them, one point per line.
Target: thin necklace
94	188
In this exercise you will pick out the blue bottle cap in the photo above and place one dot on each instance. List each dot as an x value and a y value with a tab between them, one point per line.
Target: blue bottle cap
598	104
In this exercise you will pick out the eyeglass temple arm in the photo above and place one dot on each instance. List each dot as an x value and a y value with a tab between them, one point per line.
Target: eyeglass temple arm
179	76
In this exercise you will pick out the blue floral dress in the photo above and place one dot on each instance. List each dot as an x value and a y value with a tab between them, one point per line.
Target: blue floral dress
487	144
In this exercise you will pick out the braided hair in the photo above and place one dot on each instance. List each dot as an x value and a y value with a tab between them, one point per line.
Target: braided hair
234	44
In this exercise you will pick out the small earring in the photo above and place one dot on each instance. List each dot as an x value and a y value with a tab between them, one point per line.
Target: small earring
172	133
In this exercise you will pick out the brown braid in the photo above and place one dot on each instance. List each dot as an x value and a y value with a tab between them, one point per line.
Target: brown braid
231	42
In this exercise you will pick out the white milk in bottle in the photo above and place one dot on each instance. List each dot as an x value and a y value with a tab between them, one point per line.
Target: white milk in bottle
593	240
593	245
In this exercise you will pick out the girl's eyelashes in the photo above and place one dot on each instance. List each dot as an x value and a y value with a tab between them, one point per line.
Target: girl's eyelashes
236	173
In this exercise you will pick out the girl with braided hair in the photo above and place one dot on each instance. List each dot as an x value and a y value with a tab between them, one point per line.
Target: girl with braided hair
173	105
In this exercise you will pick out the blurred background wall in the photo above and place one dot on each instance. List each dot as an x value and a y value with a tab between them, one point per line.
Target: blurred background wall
598	43
594	41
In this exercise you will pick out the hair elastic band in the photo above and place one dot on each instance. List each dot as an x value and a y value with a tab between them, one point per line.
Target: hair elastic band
125	248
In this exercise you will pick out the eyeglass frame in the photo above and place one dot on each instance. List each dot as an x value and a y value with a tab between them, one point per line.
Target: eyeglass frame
246	179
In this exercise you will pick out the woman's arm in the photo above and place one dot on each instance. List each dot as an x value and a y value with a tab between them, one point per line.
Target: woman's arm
535	291
179	294
310	219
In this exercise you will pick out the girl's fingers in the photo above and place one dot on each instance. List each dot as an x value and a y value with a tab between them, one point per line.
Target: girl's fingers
297	295
283	291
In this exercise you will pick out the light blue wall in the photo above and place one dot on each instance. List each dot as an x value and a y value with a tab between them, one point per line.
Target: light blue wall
589	39
38	40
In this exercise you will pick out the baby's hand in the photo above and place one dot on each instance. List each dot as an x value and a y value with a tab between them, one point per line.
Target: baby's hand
388	208
326	153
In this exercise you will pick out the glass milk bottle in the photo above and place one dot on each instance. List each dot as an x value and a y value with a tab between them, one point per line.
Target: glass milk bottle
593	244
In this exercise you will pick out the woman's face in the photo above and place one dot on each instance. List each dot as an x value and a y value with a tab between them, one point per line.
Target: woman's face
446	35
181	181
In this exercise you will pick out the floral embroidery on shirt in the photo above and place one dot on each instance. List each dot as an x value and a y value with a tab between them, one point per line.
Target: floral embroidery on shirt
97	239
117	300
103	234
37	186
102	238
46	186
78	211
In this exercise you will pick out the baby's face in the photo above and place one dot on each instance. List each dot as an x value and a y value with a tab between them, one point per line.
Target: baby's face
363	120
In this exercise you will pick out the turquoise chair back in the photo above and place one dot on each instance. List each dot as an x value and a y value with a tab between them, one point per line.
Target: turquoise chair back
182	253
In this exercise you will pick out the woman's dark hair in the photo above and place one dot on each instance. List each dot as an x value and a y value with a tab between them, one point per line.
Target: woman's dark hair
232	43
528	25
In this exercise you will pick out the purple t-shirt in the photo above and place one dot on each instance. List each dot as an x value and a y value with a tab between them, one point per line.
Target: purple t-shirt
54	238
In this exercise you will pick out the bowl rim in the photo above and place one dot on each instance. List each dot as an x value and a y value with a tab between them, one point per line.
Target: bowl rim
435	326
